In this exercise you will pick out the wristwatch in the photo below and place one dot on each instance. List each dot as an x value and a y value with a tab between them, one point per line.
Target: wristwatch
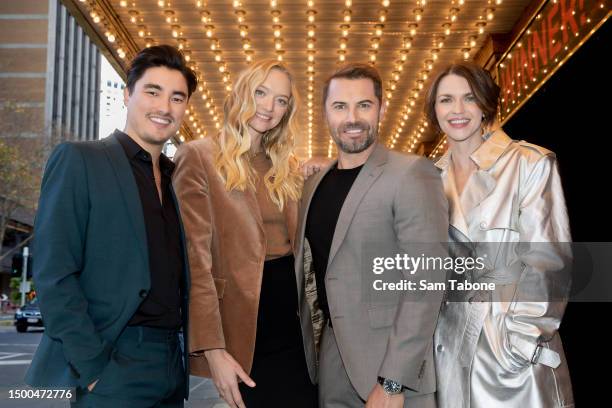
391	387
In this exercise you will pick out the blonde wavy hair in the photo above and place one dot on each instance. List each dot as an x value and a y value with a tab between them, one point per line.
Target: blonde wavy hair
283	181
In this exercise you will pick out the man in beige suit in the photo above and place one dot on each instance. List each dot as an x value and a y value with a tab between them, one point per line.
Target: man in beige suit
378	353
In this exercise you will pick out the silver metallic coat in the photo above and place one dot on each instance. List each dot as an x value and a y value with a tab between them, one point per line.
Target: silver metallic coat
502	348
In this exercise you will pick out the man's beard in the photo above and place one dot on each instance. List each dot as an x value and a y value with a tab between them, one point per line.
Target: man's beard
355	146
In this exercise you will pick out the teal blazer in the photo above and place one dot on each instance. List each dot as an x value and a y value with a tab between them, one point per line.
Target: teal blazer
92	264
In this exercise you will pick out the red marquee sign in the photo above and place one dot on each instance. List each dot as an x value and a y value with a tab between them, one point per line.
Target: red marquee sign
557	30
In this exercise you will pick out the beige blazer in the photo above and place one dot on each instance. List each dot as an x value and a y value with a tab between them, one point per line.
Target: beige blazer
396	199
227	249
502	348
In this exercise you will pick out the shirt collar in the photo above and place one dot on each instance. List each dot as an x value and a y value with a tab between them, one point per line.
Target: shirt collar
486	154
134	151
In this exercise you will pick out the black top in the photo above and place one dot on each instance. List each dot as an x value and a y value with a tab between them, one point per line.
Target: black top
321	222
161	305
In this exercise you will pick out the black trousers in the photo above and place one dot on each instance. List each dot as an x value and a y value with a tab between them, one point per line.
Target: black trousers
279	366
145	370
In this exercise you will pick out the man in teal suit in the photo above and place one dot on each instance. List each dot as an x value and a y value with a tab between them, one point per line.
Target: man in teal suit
111	273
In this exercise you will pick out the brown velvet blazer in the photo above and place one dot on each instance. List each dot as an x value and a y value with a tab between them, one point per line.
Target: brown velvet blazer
227	249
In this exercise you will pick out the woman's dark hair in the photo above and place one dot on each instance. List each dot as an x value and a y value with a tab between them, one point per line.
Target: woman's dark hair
485	90
160	56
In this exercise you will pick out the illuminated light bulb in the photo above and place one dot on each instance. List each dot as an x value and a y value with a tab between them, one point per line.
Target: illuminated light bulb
418	14
385	3
378	29
345	29
347	15
311	15
122	3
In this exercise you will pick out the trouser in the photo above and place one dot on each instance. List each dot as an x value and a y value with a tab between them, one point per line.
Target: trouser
335	388
145	370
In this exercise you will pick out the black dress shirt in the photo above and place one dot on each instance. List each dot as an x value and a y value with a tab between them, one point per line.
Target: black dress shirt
321	222
161	305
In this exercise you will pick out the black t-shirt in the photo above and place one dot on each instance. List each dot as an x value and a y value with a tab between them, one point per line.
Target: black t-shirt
321	222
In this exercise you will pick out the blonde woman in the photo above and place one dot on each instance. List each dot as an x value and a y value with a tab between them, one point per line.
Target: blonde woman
237	192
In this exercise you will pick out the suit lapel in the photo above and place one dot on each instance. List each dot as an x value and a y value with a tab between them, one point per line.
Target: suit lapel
129	190
479	187
372	168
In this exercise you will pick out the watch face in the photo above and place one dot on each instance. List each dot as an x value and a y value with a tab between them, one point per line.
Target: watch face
392	387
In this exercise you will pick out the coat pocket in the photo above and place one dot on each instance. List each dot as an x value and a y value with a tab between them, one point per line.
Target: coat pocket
382	316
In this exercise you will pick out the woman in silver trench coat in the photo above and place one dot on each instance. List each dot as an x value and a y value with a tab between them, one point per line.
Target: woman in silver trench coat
500	348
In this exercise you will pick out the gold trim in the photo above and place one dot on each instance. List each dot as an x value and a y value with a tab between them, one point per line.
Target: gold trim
554	70
522	31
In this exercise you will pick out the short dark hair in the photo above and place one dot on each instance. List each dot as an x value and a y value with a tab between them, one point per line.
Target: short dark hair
160	56
356	71
485	90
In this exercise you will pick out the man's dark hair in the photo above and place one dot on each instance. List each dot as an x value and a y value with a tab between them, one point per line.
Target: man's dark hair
160	56
356	71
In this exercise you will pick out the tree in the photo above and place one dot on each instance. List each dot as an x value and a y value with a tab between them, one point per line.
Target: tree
19	180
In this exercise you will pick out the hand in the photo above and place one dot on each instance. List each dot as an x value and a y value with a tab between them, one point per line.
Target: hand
225	373
91	386
313	166
378	398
